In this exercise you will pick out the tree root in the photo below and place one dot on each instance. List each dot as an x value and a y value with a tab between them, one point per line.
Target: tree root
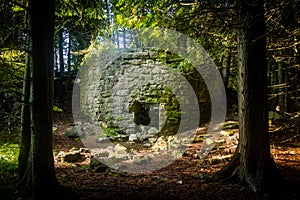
267	181
228	173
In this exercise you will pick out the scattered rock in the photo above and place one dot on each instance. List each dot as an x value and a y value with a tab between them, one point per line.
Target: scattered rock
97	166
160	145
147	145
152	140
141	159
72	157
103	140
152	131
102	153
84	150
132	137
119	149
71	132
220	159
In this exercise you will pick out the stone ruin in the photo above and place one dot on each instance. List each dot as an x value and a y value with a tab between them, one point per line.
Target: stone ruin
126	94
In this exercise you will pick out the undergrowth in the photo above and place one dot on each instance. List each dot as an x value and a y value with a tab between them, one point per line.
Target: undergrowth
9	153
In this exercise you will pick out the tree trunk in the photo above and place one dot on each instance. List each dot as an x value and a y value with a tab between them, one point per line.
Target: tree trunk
69	52
252	163
36	165
225	67
25	124
282	89
25	158
25	114
43	173
272	76
61	51
124	38
56	59
117	38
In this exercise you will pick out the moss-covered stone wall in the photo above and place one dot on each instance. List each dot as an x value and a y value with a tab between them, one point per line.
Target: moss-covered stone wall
126	92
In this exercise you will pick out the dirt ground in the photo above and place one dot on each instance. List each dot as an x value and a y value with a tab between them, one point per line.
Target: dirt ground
183	179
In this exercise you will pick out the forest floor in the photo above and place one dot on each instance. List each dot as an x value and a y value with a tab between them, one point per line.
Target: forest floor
183	179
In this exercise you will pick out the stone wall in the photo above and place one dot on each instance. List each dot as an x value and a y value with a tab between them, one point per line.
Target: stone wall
139	93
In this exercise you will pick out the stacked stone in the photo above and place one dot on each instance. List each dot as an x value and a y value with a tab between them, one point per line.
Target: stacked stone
121	91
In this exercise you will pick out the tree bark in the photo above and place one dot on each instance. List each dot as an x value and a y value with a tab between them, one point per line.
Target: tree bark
61	51
282	97
25	113
43	173
25	158
225	67
25	125
252	163
36	164
69	51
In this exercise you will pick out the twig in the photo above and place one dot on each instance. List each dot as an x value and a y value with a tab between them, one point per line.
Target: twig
289	139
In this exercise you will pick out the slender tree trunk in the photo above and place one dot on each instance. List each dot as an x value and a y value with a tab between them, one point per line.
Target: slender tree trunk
252	163
56	58
43	173
117	38
113	38
292	81
61	51
282	89
25	114
226	67
297	85
25	157
25	124
272	81
69	52
124	38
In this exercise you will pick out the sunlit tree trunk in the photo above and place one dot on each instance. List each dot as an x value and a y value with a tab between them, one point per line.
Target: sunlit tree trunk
61	51
69	52
225	67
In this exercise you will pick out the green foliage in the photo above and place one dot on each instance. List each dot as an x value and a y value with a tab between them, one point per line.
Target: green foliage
12	68
64	177
81	22
84	167
201	176
110	132
75	14
57	109
206	22
9	153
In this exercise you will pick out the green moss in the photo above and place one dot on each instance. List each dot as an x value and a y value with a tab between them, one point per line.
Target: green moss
111	132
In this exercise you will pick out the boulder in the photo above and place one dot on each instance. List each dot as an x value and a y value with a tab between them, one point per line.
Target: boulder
71	132
72	157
